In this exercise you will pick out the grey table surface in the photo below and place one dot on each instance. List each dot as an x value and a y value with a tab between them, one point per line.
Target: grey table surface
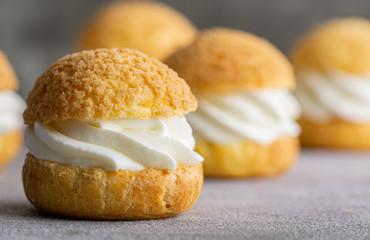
325	196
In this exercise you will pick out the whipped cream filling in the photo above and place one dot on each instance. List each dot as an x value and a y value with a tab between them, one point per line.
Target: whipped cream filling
335	95
11	110
260	115
118	144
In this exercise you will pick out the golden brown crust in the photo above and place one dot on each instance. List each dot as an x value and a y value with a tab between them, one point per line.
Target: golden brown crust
341	44
94	193
225	60
8	79
10	143
335	134
151	27
106	84
247	158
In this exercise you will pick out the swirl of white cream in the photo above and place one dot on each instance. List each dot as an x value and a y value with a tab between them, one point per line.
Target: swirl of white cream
11	109
260	115
335	95
118	144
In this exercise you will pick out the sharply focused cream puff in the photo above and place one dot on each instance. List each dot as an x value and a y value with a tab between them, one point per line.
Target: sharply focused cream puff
332	64
245	124
148	26
11	108
108	139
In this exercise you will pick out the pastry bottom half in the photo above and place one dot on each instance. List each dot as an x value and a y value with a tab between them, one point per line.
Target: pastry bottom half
95	193
335	134
247	158
10	143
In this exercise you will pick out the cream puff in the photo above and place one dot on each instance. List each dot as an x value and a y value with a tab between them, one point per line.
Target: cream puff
332	64
11	108
148	26
245	123
108	139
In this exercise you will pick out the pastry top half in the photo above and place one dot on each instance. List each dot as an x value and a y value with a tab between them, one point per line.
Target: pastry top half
106	84
224	60
151	27
8	79
339	44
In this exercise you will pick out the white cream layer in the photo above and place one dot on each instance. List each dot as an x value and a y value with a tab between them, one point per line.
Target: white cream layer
11	110
261	116
119	144
336	95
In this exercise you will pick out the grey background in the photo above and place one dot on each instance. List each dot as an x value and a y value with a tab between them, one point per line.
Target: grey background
35	33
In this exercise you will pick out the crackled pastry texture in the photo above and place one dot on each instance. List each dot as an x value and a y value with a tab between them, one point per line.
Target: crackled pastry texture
151	27
107	84
8	80
94	193
340	44
247	158
224	60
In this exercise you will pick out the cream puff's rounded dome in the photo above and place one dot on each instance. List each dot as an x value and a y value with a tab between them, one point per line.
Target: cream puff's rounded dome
8	79
223	59
107	84
150	27
339	44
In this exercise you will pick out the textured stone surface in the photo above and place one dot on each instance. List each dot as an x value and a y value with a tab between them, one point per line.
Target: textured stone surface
325	196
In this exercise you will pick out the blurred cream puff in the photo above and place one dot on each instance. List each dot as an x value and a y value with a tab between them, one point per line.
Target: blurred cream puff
245	124
332	64
151	27
11	109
